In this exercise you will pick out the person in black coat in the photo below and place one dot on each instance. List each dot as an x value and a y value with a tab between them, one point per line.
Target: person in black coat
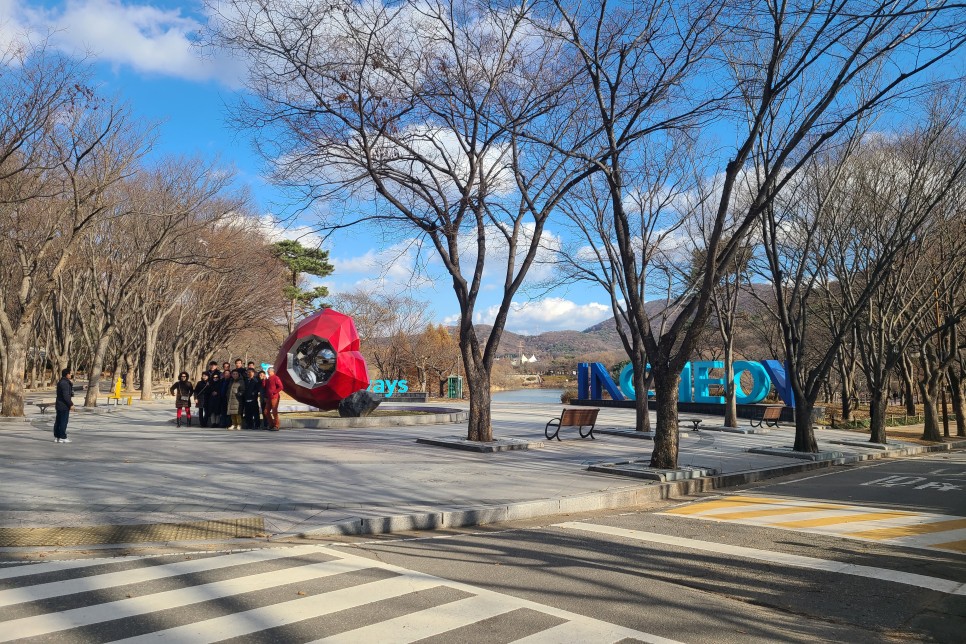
214	402
62	405
182	390
251	401
202	391
223	408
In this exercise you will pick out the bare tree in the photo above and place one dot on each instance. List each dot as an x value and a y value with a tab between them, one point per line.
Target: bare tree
802	73
423	106
61	149
837	236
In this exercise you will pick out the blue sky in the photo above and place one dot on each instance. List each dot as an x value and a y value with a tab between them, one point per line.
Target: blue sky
142	52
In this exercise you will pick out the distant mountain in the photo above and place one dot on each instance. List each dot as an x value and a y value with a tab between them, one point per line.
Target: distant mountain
603	336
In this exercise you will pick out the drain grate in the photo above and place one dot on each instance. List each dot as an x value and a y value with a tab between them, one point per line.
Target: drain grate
136	533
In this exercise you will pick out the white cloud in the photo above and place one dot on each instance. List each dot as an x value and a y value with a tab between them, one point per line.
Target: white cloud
389	270
549	314
140	36
275	231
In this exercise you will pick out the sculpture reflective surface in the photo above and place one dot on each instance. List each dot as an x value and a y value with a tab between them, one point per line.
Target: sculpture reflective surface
320	364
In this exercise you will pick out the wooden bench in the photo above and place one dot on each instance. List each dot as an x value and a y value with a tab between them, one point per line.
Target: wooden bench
578	418
117	400
769	416
44	405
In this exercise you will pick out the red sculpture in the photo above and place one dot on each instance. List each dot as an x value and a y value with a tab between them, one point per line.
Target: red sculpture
320	364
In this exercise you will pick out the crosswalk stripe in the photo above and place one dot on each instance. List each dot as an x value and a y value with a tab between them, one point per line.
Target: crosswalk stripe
425	623
481	605
729	502
893	526
955	546
911	579
839	519
575	632
910	530
770	512
28	569
622	632
134	606
296	610
137	575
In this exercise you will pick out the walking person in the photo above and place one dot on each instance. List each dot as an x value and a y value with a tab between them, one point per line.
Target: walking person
253	388
235	393
182	390
226	379
63	404
202	391
214	401
273	394
263	398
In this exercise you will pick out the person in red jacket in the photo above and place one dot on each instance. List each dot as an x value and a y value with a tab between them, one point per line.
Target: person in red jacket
273	392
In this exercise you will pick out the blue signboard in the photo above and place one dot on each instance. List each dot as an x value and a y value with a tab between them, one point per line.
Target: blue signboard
696	382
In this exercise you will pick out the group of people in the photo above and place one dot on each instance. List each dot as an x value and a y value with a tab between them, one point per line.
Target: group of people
239	398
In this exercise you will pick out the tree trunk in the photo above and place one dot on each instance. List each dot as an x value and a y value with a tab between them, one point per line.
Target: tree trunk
480	425
804	432
942	383
929	391
907	388
731	405
956	387
642	421
13	384
665	454
847	393
147	367
94	375
877	411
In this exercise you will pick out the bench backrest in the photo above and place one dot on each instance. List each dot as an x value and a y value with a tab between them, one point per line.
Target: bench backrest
772	413
574	417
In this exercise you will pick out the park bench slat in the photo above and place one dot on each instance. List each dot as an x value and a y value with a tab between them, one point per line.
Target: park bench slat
770	416
578	418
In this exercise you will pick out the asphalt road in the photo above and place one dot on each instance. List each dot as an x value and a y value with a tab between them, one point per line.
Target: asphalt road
782	561
935	483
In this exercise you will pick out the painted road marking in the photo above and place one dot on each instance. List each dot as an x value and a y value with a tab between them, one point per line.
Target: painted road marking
135	606
915	529
140	575
947	586
29	613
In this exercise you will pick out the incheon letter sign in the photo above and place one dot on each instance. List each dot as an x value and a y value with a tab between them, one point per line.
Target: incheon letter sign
696	382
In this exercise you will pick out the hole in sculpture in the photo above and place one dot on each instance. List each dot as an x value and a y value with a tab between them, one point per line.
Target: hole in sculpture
311	362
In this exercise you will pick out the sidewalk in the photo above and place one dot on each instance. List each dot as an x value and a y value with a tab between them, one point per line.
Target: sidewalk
138	478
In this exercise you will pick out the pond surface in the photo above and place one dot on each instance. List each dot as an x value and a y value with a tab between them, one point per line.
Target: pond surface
528	396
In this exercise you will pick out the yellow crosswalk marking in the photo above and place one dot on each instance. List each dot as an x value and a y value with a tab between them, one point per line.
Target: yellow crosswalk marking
956	546
788	509
910	530
915	529
728	502
843	518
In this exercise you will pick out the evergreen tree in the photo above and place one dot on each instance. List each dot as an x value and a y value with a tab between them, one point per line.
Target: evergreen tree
302	261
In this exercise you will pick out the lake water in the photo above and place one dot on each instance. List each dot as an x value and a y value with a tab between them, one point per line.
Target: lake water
528	396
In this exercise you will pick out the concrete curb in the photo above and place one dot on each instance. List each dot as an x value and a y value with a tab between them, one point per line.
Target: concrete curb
610	500
442	417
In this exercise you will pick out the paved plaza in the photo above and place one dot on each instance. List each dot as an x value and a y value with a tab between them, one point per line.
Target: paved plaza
132	466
